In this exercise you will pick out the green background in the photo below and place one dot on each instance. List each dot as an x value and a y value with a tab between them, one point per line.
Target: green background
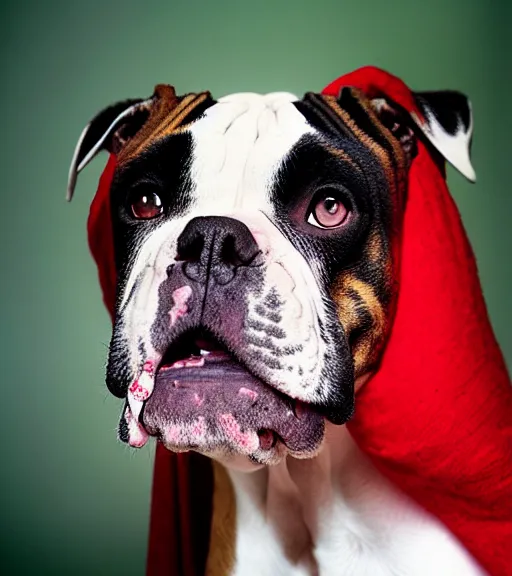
74	500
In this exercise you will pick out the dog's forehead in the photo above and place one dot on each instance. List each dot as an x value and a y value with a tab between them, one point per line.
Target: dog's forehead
258	114
239	144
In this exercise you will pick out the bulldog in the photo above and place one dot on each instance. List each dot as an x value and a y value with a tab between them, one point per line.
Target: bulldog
256	245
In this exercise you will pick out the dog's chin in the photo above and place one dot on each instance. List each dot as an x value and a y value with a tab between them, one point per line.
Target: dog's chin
212	404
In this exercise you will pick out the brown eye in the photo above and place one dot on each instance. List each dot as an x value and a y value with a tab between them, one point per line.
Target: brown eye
146	205
328	211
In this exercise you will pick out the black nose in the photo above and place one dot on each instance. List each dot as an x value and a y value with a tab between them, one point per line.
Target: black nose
214	247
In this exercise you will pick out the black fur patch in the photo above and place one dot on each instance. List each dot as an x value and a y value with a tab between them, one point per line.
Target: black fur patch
449	108
310	168
163	169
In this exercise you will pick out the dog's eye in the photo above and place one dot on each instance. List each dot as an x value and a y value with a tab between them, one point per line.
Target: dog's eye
328	210
146	205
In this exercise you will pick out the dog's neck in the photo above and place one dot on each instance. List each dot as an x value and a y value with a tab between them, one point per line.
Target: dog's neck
290	504
332	514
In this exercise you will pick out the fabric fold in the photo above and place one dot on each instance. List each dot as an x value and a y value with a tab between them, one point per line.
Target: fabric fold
436	418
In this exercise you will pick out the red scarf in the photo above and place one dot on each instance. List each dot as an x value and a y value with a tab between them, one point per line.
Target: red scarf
436	419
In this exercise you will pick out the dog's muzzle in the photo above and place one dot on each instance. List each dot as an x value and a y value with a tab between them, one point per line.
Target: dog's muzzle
208	391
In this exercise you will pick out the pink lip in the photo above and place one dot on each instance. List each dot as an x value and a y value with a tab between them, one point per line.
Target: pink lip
180	296
137	435
139	392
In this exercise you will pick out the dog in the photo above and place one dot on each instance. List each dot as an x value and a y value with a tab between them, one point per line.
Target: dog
256	240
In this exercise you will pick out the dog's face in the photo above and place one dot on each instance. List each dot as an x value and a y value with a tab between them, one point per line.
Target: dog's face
256	243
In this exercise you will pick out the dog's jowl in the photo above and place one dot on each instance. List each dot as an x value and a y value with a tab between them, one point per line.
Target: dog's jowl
257	243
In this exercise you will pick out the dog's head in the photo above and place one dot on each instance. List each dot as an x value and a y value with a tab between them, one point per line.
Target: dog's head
256	244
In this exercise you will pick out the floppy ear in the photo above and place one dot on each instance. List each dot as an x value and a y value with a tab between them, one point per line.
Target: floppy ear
444	118
448	124
109	130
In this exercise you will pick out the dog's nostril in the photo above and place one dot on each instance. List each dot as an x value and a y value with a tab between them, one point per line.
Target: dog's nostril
169	270
190	249
215	247
229	253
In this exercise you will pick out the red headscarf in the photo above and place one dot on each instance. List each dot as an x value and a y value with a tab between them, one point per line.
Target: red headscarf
436	419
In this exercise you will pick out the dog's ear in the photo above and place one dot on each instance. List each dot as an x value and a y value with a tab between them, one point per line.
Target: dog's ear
445	119
114	127
108	130
124	129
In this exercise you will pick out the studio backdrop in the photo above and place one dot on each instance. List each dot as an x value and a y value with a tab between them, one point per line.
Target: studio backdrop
73	499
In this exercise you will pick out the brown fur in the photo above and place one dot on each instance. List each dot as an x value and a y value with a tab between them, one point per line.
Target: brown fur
377	150
364	294
166	115
221	557
355	297
342	155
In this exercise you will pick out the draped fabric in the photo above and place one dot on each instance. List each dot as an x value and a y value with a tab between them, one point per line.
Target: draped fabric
436	418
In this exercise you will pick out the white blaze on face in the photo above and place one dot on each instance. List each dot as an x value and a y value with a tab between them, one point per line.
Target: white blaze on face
238	147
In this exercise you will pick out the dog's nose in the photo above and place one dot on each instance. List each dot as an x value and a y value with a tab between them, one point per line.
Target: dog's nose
214	247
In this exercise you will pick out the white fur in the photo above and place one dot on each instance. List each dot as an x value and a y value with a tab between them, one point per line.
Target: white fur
342	518
238	146
454	147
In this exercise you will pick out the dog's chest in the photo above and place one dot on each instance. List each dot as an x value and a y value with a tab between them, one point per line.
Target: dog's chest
336	515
